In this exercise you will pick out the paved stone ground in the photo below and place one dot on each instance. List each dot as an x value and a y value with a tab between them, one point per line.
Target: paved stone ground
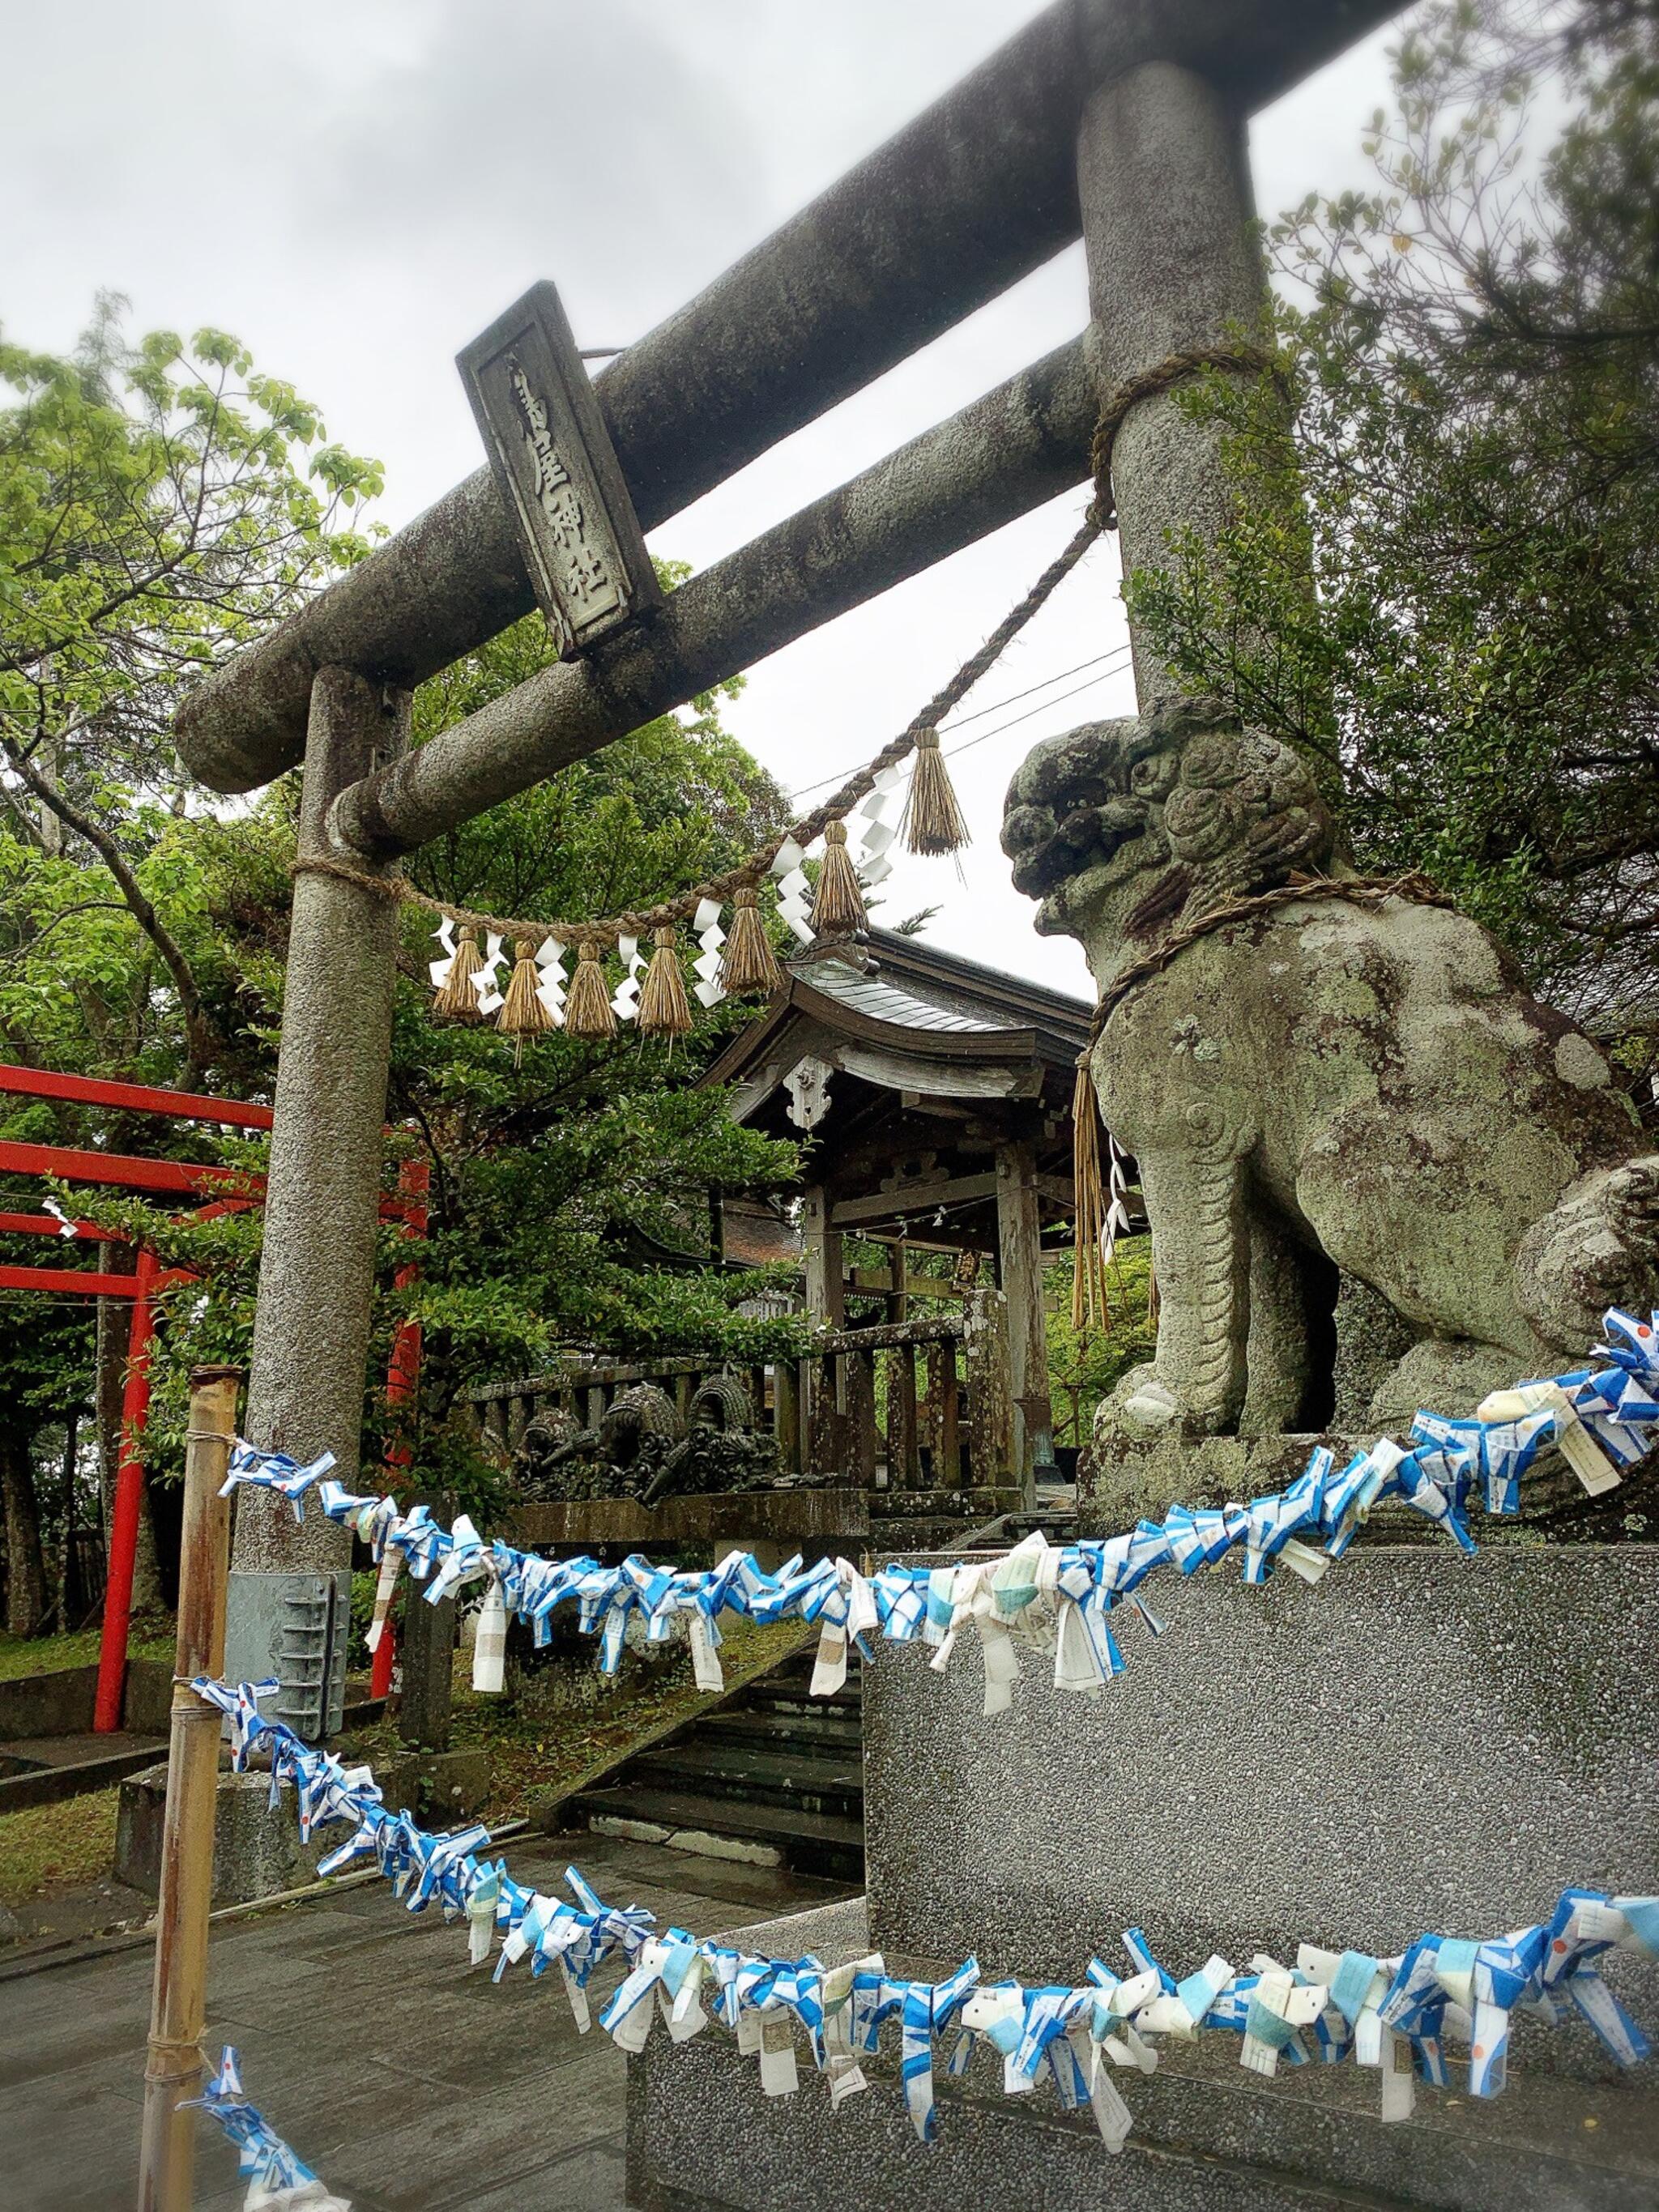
406	2079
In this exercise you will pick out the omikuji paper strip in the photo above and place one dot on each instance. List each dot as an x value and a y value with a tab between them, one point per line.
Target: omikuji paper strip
1052	1599
1395	2015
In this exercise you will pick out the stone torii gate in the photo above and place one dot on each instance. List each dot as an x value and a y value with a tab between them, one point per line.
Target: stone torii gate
1119	120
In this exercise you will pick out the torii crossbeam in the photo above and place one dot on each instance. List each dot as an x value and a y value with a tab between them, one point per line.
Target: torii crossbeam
1121	121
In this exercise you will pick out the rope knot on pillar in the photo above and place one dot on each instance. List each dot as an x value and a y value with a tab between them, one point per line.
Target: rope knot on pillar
390	886
1175	369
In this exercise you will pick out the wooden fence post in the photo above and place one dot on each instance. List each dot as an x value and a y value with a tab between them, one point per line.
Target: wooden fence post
826	1425
948	1463
785	1415
173	2065
859	1426
904	1467
990	1389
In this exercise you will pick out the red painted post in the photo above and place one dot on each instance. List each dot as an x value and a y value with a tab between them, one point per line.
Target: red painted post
379	1674
403	1378
129	1498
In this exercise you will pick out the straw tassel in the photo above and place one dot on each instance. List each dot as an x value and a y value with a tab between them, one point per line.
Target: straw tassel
839	906
522	1013
458	1001
1089	1308
933	822
587	1009
665	1011
750	967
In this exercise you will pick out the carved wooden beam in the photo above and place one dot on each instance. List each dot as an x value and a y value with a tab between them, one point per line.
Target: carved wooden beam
914	1198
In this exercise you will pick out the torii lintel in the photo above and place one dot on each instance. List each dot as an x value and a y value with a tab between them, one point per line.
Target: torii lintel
973	195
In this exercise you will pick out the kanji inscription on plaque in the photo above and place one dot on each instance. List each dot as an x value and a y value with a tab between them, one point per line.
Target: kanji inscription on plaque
558	473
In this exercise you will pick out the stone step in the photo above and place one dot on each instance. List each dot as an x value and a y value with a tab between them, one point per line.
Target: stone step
721	1827
773	1696
740	1772
798	1669
835	1734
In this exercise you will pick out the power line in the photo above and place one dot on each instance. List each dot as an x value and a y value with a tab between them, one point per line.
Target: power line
1014	697
950	752
1118	655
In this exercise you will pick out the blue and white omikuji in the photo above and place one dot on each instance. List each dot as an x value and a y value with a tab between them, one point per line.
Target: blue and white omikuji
1603	1418
1396	2015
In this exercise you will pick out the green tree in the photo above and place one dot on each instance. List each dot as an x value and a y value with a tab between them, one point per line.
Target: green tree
1470	349
548	1167
1086	1368
160	504
46	1356
545	1168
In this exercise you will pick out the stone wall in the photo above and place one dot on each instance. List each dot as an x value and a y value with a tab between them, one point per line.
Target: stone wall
1422	1741
60	1701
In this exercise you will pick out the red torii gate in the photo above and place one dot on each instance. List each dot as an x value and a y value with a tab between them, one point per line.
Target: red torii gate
176	1178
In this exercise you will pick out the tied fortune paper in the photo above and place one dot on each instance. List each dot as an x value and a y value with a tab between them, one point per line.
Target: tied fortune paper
1396	2014
1056	1599
275	2177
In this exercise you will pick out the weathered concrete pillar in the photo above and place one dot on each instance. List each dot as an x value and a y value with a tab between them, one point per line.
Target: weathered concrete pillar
1019	1249
1163	178
288	1585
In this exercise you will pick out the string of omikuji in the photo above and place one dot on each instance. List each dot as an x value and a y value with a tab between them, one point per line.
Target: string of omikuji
1043	1596
275	2175
1396	2015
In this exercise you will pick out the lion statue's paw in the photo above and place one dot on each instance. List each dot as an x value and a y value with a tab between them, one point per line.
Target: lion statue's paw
1152	1407
1598	1248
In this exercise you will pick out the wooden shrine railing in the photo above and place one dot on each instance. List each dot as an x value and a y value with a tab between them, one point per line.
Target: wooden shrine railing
919	1406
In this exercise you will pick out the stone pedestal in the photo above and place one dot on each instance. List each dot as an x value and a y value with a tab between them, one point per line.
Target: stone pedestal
256	1852
1422	1742
1126	1474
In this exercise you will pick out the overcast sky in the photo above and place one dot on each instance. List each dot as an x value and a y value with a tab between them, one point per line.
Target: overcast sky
356	187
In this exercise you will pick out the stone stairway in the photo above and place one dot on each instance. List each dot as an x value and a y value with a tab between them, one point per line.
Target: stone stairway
773	1776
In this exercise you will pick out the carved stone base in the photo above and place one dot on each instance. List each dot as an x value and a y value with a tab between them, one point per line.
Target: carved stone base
1123	1477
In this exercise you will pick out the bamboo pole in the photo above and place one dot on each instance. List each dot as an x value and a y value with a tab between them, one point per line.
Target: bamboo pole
173	2066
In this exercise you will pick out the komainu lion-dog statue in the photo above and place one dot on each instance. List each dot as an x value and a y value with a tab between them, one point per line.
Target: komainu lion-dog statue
1354	1084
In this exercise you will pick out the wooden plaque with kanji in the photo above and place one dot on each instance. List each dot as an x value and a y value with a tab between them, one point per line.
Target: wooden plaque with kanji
553	459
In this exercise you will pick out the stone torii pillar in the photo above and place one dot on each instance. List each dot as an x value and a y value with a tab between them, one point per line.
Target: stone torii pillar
1168	217
964	201
290	1582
